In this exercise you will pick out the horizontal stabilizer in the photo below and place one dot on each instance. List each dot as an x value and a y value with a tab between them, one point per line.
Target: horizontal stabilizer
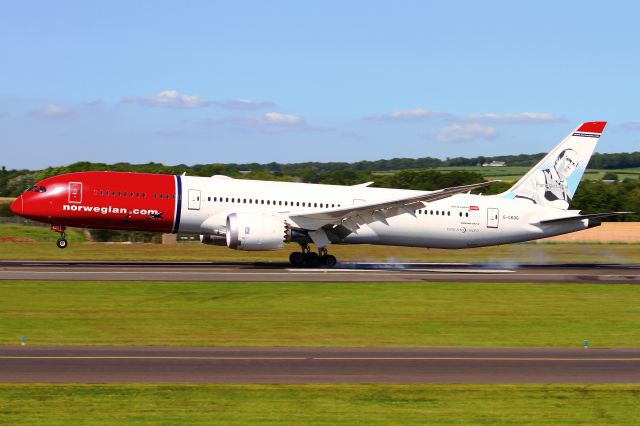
585	216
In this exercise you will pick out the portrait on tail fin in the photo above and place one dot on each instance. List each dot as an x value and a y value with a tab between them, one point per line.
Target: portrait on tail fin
554	180
549	186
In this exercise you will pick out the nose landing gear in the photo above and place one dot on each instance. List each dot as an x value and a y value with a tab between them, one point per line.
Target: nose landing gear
310	259
62	241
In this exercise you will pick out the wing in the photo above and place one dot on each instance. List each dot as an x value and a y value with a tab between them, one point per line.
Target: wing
340	222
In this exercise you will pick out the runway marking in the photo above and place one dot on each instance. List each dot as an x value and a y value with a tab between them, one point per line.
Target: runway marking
403	270
312	358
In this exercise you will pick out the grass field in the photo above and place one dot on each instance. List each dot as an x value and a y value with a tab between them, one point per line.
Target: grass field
317	315
27	234
320	404
513	173
39	244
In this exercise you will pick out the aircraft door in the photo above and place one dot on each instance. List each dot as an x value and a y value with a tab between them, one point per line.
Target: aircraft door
75	192
194	199
492	218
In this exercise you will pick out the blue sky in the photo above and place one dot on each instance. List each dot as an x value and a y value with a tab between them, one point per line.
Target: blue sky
212	81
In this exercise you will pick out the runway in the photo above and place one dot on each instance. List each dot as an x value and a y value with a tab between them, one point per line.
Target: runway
344	272
290	365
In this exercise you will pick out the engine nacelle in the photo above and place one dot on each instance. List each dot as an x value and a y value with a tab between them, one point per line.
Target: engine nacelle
256	231
213	240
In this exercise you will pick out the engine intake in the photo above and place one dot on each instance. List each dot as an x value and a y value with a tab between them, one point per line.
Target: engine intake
256	231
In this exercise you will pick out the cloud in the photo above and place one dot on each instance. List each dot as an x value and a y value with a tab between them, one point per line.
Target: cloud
632	125
279	118
270	122
169	99
409	115
244	104
428	114
91	104
53	111
522	117
465	132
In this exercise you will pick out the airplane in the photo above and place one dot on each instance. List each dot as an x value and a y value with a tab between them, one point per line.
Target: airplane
255	215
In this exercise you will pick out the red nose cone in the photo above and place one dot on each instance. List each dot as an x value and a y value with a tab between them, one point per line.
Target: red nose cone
16	206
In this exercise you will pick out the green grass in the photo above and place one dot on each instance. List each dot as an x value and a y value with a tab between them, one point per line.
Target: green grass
28	404
319	314
17	246
26	234
513	173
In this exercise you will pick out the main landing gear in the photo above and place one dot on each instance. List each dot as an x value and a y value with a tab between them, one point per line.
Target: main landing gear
62	241
310	259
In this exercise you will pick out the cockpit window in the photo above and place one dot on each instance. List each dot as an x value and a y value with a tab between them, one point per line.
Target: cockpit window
37	188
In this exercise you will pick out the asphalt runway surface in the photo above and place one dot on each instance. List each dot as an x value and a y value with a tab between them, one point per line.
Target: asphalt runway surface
290	365
343	272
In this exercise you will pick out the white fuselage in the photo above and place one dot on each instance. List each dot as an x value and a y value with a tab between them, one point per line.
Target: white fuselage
460	221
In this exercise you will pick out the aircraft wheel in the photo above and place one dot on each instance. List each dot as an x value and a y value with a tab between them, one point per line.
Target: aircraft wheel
296	258
328	260
312	259
61	243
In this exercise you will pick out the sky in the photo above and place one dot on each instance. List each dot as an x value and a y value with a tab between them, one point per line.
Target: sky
198	82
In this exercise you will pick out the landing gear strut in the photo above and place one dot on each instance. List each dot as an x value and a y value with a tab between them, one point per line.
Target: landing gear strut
310	259
62	241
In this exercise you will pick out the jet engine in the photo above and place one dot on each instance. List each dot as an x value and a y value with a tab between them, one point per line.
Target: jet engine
256	231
